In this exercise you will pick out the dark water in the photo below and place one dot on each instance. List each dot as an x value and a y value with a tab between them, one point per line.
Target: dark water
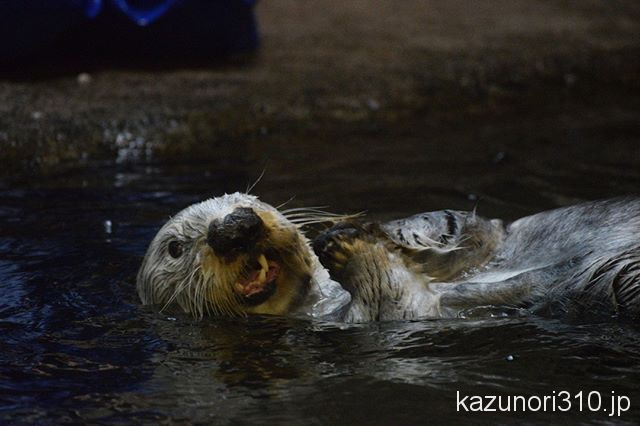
77	347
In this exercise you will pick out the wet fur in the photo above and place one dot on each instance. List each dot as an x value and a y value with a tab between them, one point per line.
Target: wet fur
576	260
201	283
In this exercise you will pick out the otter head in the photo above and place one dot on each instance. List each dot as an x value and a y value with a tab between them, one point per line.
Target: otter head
231	255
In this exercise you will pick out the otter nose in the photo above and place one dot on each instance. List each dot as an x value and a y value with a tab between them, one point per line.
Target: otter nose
238	232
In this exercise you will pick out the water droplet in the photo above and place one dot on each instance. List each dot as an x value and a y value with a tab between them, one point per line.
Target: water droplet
570	79
107	226
499	157
84	78
373	104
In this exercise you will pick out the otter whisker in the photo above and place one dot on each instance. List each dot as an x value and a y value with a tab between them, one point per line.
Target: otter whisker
320	214
250	187
306	219
304	216
297	209
307	214
323	218
285	203
198	299
179	288
222	301
311	222
190	299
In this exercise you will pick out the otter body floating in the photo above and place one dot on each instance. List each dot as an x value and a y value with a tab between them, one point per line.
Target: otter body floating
235	255
579	261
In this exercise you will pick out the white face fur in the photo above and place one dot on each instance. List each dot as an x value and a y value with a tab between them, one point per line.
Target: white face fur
271	274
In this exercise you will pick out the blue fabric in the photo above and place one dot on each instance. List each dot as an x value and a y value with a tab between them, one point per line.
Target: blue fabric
144	16
141	12
92	8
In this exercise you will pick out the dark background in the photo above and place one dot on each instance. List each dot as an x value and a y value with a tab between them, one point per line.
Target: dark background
550	82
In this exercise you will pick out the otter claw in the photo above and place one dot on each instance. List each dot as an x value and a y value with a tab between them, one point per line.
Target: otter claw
334	247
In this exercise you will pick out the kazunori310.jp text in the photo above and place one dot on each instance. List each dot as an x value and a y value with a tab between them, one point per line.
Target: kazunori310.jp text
604	402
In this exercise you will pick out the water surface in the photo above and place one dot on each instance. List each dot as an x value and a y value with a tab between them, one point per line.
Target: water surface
77	347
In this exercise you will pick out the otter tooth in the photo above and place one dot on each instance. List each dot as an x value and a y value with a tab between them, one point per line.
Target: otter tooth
264	267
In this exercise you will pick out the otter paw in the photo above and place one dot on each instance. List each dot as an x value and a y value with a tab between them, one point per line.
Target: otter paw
336	246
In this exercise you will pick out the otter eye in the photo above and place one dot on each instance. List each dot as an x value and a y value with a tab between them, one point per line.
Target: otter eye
175	249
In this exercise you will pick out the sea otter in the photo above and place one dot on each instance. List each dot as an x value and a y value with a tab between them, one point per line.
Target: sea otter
235	255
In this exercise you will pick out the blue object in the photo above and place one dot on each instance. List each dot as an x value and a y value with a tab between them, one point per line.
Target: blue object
92	8
144	16
39	31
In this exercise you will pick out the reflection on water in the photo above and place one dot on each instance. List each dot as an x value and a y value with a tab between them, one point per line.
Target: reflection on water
77	347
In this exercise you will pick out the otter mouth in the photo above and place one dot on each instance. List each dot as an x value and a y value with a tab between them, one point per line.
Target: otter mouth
259	284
